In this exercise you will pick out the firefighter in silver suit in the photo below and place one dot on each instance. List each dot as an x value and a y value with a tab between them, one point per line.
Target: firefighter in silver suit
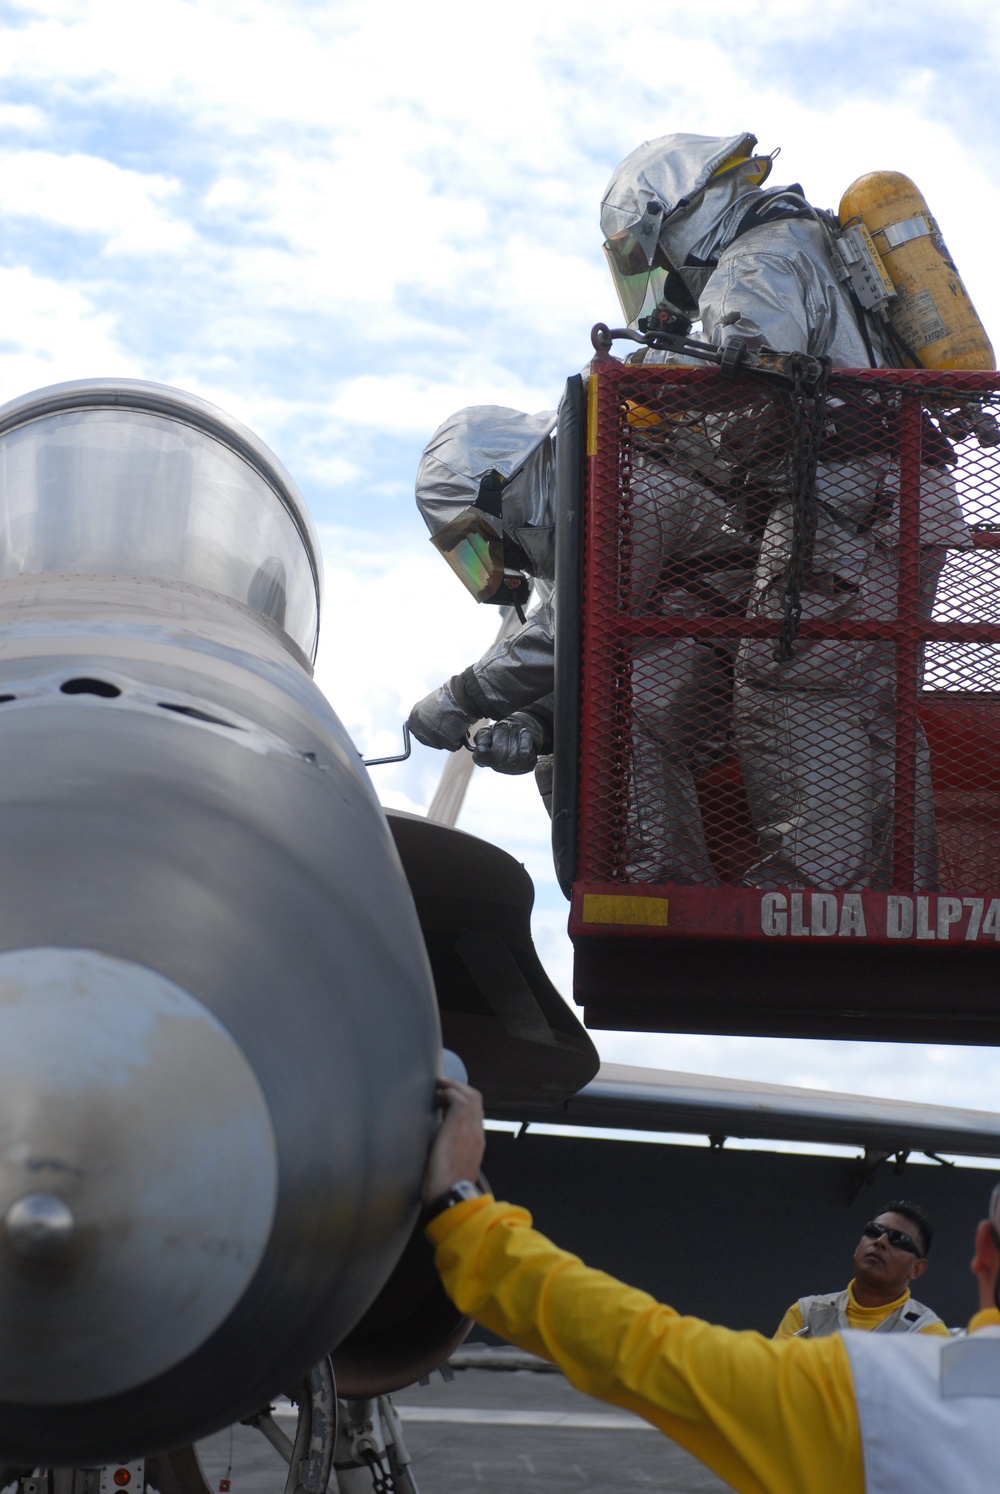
486	489
687	222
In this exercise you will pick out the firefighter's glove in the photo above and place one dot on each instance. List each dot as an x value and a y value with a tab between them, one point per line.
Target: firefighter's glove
441	719
514	744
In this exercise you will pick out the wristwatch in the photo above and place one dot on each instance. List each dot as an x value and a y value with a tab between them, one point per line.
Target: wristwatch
456	1194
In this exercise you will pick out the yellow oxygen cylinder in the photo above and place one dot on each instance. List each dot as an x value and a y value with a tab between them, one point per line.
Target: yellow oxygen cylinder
931	311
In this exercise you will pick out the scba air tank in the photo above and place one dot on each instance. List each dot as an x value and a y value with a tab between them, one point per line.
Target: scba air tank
931	312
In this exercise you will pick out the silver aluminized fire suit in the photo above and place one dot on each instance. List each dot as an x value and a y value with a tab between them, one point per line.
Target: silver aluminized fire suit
816	733
682	690
689	557
512	683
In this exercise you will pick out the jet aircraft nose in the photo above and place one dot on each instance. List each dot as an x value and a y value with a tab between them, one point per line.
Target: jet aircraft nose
218	1026
138	1174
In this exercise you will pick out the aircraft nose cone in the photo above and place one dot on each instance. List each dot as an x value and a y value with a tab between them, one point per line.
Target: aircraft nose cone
39	1225
138	1175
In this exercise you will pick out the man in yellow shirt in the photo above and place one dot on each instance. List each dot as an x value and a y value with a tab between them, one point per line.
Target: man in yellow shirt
891	1253
852	1413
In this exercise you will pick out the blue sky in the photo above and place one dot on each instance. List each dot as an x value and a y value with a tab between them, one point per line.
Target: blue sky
342	221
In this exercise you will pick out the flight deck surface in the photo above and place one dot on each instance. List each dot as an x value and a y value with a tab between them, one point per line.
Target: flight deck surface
499	1431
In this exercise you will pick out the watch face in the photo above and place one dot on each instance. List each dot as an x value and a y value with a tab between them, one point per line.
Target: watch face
456	1194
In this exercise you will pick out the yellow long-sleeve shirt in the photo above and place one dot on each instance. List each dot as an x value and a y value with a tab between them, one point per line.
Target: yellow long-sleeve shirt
768	1417
857	1316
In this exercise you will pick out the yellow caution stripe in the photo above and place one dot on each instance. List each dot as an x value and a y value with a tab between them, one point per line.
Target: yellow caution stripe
612	907
592	413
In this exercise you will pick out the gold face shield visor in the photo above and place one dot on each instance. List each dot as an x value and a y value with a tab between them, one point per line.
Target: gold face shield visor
639	265
474	550
639	268
638	292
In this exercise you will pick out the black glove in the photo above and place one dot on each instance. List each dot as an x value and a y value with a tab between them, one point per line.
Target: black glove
513	745
439	720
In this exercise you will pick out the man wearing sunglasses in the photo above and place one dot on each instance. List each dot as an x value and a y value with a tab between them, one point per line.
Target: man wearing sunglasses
891	1253
851	1413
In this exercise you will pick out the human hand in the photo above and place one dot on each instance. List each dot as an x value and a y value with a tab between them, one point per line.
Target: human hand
457	1149
511	745
439	721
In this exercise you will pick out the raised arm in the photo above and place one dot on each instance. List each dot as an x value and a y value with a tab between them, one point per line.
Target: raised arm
764	1416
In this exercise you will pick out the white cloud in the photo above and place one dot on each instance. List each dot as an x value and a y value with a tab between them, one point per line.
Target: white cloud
52	332
408	402
427	175
333	471
24	117
92	195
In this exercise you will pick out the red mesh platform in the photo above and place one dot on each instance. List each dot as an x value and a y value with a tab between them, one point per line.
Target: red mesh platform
777	833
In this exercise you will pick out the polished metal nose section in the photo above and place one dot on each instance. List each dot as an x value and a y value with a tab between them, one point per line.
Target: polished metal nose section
137	1155
39	1225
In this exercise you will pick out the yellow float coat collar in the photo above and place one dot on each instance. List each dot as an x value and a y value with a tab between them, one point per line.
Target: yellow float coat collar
857	1316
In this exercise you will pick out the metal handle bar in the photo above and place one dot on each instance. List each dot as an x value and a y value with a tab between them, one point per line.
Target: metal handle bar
376	762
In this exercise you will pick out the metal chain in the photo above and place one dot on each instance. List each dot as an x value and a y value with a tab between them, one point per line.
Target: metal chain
807	428
382	1479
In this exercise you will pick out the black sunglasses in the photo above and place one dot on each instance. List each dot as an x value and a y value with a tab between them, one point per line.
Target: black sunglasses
896	1237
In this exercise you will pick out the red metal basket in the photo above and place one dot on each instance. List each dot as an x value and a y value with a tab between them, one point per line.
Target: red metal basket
807	844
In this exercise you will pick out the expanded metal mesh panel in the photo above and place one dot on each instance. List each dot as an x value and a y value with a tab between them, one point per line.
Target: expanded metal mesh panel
867	761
